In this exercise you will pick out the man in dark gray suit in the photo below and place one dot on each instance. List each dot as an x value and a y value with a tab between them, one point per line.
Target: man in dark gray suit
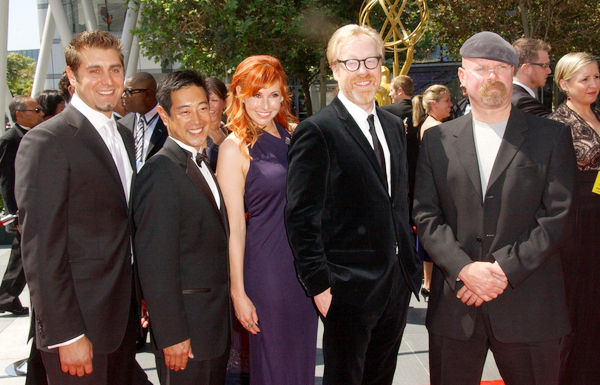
26	113
492	197
73	178
347	217
181	242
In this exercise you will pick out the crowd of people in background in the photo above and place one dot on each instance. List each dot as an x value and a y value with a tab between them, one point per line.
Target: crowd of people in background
207	214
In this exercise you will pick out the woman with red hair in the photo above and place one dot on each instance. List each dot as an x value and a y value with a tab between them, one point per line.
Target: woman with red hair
251	170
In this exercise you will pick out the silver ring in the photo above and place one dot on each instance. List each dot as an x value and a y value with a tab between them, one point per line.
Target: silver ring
250	325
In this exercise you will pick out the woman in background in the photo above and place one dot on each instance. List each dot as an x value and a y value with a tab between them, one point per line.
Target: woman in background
217	97
577	75
52	103
267	297
430	109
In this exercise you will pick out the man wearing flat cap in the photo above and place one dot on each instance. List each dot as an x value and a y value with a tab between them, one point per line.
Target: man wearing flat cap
493	192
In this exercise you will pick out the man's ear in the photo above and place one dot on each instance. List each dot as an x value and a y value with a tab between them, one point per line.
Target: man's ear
163	116
71	76
334	69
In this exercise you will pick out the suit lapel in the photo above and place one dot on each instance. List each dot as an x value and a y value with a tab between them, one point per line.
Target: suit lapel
511	142
395	145
359	138
466	154
158	137
195	175
92	140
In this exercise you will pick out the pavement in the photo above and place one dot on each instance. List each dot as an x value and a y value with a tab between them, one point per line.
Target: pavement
412	366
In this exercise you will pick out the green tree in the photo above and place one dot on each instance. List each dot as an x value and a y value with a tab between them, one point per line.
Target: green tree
19	73
214	36
567	25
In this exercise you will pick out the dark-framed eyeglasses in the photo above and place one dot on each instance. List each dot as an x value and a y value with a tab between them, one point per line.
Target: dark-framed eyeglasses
352	65
133	91
543	65
37	110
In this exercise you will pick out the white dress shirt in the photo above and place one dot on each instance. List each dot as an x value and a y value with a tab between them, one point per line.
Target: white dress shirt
360	117
488	138
106	127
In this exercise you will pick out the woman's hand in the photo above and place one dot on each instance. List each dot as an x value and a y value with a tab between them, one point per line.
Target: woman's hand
245	312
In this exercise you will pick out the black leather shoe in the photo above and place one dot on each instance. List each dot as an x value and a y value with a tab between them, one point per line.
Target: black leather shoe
18	311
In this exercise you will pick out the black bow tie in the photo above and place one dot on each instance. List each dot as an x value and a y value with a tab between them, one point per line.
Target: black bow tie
201	156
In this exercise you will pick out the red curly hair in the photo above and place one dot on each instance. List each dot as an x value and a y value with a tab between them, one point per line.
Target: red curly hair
251	75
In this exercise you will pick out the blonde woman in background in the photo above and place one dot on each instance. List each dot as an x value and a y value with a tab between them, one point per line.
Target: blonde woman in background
429	110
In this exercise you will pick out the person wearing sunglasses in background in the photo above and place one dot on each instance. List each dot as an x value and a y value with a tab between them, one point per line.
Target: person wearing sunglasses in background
148	129
531	74
26	113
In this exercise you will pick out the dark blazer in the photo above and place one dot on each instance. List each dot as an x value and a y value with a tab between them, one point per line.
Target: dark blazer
403	110
9	144
75	232
345	230
182	254
159	135
522	100
519	224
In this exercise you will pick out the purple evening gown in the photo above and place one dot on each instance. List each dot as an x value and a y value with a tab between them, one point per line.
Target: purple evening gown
283	353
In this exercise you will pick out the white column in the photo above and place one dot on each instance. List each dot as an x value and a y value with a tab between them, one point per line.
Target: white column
3	55
130	21
61	22
134	52
90	17
45	51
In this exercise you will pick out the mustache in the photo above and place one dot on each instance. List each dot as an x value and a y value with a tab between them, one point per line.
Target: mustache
486	87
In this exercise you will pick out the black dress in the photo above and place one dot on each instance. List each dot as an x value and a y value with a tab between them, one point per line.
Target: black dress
581	259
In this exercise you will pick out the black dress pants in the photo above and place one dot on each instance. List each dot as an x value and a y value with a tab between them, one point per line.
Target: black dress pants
460	362
13	281
362	347
206	372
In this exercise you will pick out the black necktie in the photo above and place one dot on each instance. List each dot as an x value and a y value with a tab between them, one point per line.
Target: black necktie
201	156
377	146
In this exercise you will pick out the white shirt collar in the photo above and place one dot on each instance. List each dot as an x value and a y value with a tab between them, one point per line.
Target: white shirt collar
529	90
97	118
357	113
186	147
150	114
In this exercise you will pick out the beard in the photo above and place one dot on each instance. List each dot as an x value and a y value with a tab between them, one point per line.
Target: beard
493	94
364	96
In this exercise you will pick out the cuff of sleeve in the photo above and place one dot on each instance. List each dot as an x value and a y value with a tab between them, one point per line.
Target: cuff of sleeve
317	283
69	342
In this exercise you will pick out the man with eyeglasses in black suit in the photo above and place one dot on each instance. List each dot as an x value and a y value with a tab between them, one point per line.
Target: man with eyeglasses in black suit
531	74
347	217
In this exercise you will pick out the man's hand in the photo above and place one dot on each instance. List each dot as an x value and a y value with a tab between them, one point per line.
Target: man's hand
176	356
484	279
76	358
468	297
144	315
323	301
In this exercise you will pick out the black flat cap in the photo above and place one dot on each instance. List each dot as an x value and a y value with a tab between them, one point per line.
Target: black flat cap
489	45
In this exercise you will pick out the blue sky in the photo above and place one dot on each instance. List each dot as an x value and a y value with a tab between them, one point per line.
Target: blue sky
23	29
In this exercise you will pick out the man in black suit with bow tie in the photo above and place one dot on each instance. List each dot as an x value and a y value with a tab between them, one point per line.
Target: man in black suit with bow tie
181	242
